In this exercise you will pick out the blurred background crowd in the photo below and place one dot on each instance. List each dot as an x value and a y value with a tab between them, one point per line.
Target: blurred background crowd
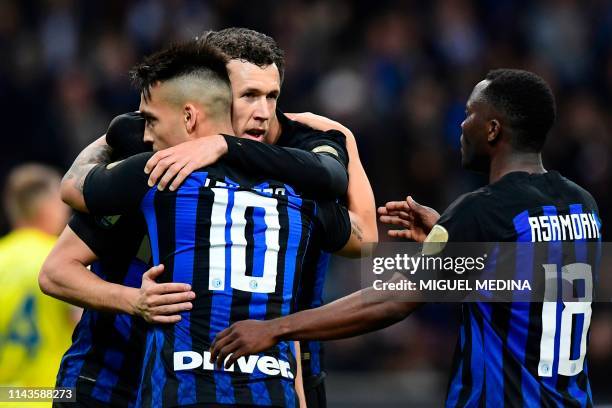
397	73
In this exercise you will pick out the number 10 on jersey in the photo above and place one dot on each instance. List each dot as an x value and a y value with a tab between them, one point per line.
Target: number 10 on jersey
235	218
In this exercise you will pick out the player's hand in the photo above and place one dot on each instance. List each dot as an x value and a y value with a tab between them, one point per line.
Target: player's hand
415	219
178	162
162	302
242	338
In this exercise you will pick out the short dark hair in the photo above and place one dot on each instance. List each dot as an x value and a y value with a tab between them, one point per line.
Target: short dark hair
178	60
247	45
527	102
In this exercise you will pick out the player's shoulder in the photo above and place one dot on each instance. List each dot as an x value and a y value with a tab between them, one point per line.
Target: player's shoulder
464	219
470	203
532	189
299	135
581	194
290	126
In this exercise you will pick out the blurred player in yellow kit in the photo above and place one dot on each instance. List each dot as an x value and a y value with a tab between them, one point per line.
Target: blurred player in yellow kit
34	328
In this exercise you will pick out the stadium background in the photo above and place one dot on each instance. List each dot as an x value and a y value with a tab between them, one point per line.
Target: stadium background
396	73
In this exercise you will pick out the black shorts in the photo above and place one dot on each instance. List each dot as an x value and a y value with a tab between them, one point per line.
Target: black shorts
314	391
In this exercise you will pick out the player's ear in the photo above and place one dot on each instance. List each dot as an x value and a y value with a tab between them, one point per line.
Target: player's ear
190	117
494	131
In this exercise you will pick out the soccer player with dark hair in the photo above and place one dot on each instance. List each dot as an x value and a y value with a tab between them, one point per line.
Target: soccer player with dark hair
256	69
510	354
104	369
236	237
251	46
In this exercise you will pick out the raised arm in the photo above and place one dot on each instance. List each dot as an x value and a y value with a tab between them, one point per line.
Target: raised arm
116	188
72	184
360	198
319	174
124	138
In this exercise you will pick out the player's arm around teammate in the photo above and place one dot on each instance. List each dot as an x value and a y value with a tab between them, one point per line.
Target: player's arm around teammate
176	163
346	317
65	276
318	175
360	197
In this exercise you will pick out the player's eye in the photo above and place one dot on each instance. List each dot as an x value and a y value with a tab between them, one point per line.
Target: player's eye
273	96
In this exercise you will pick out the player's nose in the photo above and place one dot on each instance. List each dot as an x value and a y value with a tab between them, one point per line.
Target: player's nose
262	111
147	137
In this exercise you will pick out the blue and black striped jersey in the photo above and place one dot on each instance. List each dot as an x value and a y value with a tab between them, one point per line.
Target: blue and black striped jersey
316	262
240	242
310	295
105	359
519	353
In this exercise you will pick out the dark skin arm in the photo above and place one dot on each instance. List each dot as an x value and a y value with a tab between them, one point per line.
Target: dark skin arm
414	220
346	317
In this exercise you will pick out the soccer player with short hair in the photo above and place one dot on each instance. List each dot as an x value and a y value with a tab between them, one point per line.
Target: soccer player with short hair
237	238
256	69
94	356
104	360
34	329
511	354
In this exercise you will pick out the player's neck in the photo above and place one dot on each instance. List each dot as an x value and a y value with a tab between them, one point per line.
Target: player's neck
504	164
216	128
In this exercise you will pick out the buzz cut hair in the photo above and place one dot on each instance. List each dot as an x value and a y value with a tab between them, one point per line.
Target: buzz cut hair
527	102
194	71
247	45
25	186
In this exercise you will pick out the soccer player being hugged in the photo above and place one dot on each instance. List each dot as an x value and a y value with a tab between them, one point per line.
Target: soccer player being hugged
236	238
255	65
256	70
